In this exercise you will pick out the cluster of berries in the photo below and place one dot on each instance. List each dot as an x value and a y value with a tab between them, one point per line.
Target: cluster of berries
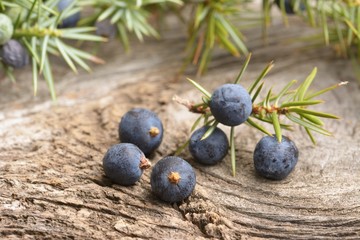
172	178
141	132
231	105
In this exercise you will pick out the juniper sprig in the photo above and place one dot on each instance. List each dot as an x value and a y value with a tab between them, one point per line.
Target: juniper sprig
292	102
338	20
211	25
127	16
36	26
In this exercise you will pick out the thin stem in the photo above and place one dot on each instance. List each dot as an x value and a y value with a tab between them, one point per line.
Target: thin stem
37	32
200	88
261	76
182	147
210	130
232	150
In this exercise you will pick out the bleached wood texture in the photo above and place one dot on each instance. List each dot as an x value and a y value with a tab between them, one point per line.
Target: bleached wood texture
52	182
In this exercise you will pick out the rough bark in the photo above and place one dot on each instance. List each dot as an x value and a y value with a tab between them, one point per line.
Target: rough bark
52	182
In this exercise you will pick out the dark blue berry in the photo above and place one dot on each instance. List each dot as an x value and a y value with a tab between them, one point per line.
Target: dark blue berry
289	6
14	54
124	163
212	149
143	128
172	179
275	160
231	104
106	29
70	21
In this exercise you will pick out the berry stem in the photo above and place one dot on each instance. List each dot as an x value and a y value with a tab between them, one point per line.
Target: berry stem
232	150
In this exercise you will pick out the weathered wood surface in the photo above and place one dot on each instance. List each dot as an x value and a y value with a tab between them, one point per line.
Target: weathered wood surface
52	182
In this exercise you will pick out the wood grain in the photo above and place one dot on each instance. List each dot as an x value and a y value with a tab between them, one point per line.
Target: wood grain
52	182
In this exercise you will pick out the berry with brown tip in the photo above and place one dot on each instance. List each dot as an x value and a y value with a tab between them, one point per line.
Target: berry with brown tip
172	179
143	128
124	163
